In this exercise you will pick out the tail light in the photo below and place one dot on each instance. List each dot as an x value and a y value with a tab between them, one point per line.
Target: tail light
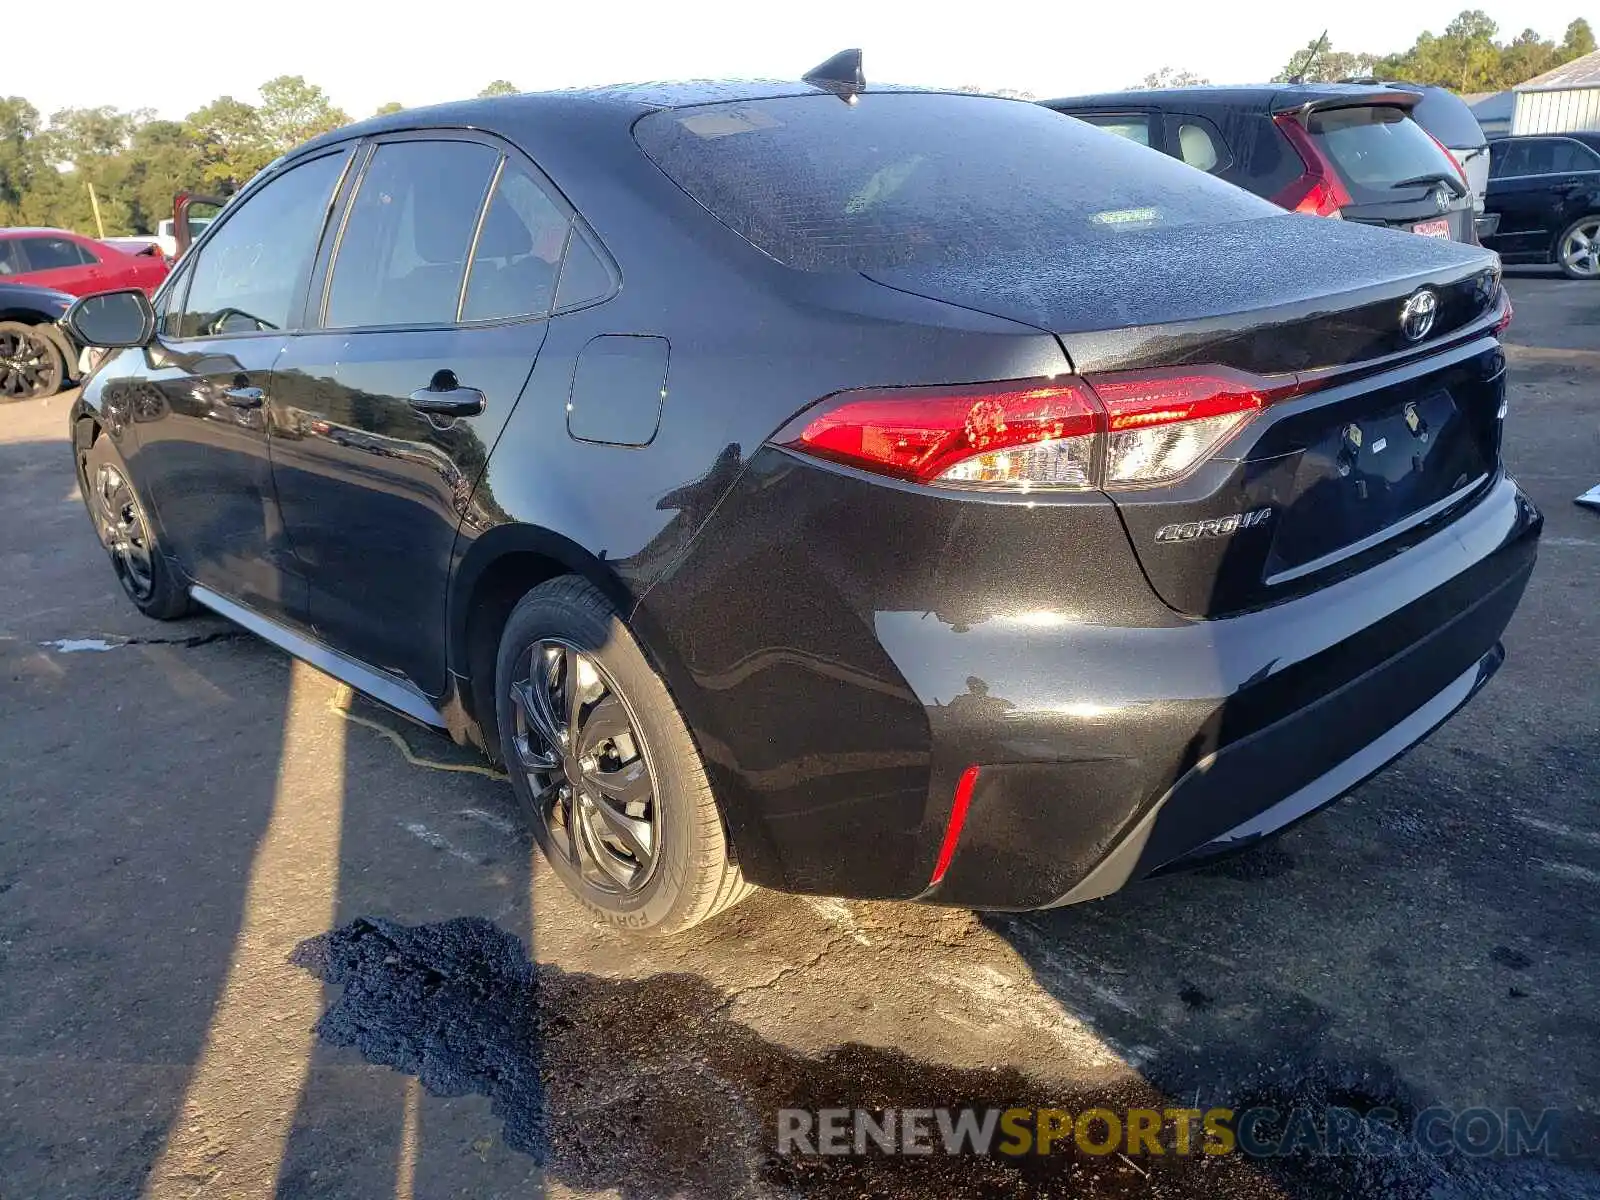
1115	430
1319	192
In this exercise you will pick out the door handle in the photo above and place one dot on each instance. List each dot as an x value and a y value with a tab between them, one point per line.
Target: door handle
446	397
244	397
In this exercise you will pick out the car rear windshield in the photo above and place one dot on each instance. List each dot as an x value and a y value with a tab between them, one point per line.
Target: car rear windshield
1377	147
902	178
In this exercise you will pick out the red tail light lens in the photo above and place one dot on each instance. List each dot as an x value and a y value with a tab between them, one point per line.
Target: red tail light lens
1319	192
1117	430
974	436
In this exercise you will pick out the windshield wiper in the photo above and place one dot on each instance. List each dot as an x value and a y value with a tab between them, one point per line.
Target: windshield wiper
1449	181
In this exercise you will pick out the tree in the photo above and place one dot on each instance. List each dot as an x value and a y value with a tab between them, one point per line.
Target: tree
1319	62
1578	42
230	140
500	87
1170	77
973	89
294	111
20	159
393	106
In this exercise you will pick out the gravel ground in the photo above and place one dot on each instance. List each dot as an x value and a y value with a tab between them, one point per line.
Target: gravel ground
259	937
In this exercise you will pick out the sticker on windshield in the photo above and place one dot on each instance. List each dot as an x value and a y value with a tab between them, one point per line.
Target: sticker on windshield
725	121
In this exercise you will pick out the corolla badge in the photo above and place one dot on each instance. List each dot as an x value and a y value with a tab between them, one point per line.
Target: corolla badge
1215	527
1416	318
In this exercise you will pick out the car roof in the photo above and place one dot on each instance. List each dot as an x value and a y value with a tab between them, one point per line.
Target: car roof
613	106
1587	137
1268	97
34	230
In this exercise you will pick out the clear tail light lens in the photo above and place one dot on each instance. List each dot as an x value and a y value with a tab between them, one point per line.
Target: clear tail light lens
1117	430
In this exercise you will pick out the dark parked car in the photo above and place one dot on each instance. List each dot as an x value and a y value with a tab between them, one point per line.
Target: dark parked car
1327	149
37	358
1545	189
921	497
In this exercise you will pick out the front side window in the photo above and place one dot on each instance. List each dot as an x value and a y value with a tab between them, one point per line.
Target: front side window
52	254
251	275
1135	129
517	256
10	260
402	257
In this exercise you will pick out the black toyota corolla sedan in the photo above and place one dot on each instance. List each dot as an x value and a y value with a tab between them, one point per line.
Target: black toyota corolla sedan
852	491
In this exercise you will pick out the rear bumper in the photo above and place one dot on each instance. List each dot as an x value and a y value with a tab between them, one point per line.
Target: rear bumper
1318	694
839	680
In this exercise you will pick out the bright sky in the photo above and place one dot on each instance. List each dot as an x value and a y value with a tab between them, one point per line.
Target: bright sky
174	59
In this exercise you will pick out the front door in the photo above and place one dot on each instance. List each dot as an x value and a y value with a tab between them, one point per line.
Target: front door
386	416
201	411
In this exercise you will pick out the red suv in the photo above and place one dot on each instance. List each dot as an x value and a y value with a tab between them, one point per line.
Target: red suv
78	265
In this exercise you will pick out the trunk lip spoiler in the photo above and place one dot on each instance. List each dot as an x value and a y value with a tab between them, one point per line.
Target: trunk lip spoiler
1387	98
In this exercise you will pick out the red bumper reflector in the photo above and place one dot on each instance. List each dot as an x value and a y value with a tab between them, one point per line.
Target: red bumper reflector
958	818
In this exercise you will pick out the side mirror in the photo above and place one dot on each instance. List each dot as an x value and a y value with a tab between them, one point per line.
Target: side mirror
114	320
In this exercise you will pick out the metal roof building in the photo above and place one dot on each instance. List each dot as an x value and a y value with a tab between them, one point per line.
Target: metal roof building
1564	100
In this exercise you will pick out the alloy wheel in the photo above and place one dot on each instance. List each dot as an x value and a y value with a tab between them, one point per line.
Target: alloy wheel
586	763
29	366
1580	249
121	526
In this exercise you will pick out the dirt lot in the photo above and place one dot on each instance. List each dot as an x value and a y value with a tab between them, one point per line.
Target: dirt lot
181	809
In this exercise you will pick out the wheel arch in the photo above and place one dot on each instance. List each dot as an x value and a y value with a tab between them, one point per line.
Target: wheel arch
499	568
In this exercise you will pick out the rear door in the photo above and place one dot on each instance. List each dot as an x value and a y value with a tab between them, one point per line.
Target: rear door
1538	185
431	311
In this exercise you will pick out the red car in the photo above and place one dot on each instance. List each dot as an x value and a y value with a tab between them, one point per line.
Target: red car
70	262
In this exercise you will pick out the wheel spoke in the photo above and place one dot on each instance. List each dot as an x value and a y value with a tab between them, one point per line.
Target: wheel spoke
606	720
545	756
625	788
636	834
592	825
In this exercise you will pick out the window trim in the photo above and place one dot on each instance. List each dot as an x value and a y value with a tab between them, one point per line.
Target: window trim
184	276
315	320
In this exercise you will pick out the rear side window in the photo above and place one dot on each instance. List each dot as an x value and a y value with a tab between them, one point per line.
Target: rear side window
402	257
1375	148
1197	147
518	252
1567	155
1448	118
901	178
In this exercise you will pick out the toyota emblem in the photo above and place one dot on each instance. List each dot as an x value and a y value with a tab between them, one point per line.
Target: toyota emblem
1416	318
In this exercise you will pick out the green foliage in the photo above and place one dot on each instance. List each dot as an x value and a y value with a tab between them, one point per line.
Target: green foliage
1170	77
393	106
500	87
1465	57
137	164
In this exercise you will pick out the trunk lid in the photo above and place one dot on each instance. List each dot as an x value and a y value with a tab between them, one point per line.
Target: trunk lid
1388	437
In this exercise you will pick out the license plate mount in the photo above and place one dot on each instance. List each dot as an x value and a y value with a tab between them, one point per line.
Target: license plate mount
1439	228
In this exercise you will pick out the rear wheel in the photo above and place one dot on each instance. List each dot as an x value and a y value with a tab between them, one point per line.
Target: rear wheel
1578	248
125	532
31	364
605	768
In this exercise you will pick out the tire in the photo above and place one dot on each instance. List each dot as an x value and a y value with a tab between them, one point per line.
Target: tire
31	363
126	534
655	866
1577	249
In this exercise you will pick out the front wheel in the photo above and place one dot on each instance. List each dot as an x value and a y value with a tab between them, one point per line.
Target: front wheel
125	532
31	365
605	768
1578	248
